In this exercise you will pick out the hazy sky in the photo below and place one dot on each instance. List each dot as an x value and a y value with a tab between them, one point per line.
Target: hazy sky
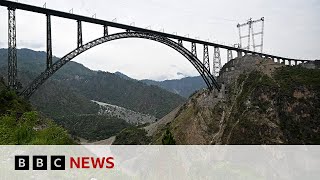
292	29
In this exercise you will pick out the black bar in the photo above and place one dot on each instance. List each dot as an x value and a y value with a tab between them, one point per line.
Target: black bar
41	10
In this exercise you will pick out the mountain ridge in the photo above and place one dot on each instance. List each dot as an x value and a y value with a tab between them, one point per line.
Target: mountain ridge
183	87
79	81
66	96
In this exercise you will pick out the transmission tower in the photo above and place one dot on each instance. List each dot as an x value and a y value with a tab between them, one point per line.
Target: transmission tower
252	34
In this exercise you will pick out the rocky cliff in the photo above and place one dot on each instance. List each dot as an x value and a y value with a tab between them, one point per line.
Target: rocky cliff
263	102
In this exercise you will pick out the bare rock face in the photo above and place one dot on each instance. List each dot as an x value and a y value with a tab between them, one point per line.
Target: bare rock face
234	68
265	103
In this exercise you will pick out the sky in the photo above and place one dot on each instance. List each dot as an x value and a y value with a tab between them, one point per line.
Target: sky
292	29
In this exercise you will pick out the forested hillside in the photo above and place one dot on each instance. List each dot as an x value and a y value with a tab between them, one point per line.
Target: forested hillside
68	93
74	85
20	124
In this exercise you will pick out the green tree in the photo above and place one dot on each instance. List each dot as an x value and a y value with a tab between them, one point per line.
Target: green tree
168	138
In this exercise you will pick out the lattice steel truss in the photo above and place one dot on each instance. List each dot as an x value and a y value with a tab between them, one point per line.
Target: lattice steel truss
229	55
216	62
105	30
194	49
49	42
204	72
206	60
12	49
79	34
132	32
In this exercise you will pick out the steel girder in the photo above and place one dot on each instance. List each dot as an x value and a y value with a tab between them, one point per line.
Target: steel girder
203	71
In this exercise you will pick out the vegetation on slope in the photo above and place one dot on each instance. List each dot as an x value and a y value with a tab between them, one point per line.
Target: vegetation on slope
73	86
132	136
68	93
280	109
134	95
300	123
93	127
20	125
259	109
168	139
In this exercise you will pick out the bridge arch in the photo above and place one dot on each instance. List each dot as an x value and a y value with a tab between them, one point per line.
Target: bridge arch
203	71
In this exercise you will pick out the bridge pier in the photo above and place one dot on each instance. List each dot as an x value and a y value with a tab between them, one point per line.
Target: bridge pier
194	49
79	34
289	62
229	55
216	62
295	63
49	42
239	54
180	42
12	49
105	30
206	60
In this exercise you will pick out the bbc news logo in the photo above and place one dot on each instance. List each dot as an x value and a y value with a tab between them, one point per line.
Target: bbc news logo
40	163
59	162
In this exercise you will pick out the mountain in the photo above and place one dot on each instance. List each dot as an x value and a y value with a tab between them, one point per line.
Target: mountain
128	115
21	125
123	76
75	84
261	102
184	87
70	91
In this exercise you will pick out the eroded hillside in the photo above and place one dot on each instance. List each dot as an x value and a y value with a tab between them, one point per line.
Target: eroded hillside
263	103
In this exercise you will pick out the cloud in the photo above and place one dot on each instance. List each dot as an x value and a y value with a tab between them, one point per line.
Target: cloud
31	45
181	74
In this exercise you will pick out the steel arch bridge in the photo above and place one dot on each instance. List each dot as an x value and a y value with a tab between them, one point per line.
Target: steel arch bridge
171	40
203	71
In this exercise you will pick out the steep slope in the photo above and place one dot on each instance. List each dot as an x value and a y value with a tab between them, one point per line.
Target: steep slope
266	103
19	124
130	116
